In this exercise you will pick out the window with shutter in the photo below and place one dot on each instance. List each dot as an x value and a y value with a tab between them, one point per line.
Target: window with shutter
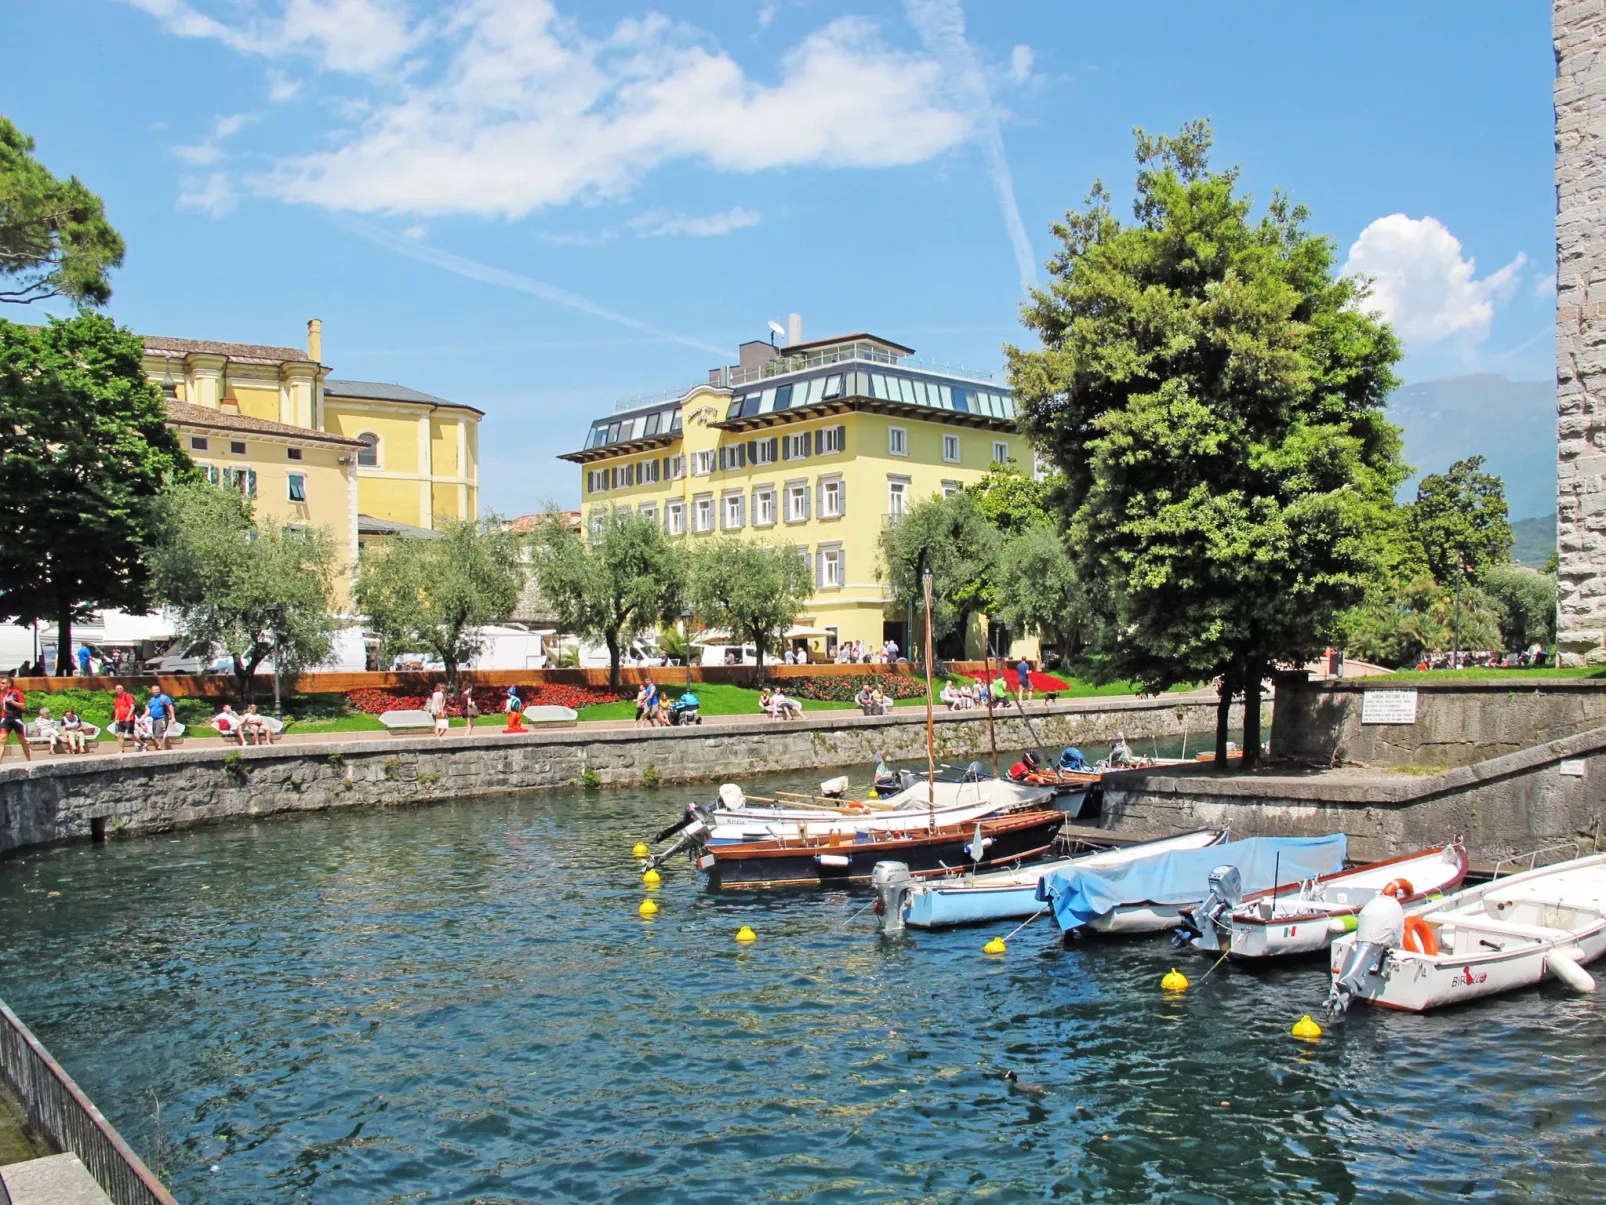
250	483
819	570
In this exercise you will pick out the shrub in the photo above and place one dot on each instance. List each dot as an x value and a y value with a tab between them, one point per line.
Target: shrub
234	766
490	699
842	689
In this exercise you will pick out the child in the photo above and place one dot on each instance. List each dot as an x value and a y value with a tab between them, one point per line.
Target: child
72	732
515	711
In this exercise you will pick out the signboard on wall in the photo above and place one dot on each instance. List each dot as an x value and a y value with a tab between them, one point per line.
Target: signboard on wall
1578	768
1388	707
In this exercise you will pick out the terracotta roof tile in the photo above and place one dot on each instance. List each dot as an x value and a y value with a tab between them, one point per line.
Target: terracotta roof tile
259	352
204	416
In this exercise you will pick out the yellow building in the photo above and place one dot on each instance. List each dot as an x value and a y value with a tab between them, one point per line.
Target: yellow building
820	445
412	458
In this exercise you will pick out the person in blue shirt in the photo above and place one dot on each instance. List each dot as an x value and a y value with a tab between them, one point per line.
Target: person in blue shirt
83	659
1023	679
160	710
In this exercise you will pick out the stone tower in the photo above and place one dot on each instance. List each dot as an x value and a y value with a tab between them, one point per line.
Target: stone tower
1579	29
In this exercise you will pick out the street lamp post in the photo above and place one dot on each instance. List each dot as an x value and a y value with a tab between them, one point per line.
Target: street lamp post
685	632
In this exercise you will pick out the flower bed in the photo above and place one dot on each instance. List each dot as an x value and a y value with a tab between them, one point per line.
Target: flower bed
1040	681
842	690
376	701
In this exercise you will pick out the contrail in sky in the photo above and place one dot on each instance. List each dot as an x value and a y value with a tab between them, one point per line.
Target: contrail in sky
941	26
474	270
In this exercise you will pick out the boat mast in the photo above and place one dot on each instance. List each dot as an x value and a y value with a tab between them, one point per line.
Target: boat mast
987	683
931	736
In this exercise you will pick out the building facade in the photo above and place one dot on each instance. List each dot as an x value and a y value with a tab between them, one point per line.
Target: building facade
411	458
818	446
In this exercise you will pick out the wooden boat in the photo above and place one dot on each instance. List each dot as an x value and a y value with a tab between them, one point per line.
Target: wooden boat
1508	933
1150	896
1006	894
1267	925
736	818
843	857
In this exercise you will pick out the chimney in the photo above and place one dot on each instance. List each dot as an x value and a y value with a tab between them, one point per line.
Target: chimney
794	329
315	340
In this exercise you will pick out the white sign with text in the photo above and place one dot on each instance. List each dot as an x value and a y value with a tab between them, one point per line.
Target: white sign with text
1388	707
1578	768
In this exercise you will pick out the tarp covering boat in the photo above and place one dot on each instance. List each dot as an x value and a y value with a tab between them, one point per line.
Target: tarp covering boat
1081	896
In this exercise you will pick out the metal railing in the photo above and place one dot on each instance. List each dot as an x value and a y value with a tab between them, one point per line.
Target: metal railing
68	1121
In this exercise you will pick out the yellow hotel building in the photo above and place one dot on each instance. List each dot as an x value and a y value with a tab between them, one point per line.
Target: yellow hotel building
363	458
820	445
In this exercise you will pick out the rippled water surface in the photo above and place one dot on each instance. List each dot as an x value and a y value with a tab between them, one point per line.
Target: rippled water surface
460	1004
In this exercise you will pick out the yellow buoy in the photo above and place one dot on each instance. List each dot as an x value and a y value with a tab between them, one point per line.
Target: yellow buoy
639	850
872	793
1175	981
995	946
648	908
652	878
746	934
1306	1028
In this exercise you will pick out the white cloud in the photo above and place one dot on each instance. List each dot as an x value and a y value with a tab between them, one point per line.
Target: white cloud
360	36
212	196
208	150
1020	64
416	231
281	87
941	25
656	224
1422	284
766	14
1545	286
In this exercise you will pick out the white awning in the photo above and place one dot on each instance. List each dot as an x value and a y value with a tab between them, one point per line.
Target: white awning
716	636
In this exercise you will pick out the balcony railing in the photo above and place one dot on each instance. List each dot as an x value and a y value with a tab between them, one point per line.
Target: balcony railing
67	1120
864	353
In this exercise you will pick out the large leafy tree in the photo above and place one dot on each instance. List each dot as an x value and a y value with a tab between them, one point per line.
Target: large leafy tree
621	578
85	450
953	539
436	594
1527	602
1012	500
252	590
55	240
1460	519
754	590
1037	590
1214	396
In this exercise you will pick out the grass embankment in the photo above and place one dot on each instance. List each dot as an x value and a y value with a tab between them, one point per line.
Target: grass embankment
1488	674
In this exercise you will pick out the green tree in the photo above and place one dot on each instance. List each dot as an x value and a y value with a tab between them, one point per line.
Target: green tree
55	240
1402	625
1037	590
754	590
1214	396
1012	500
85	451
436	594
950	537
252	591
621	578
1527	602
1459	518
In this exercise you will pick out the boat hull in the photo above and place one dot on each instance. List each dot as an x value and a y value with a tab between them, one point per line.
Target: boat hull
766	864
1416	983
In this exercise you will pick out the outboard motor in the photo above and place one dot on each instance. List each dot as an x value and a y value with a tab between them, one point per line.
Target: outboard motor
1379	929
1072	759
891	882
1202	926
835	788
974	772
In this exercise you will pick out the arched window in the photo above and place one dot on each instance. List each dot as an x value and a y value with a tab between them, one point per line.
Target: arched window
368	454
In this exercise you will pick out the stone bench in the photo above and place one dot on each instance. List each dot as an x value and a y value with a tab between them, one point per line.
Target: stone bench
400	723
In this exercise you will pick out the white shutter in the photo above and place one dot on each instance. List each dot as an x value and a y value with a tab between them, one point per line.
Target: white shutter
805	502
741	511
819	570
819	499
842	497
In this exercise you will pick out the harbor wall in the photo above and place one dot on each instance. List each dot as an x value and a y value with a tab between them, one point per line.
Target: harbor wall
1458	722
1548	794
123	794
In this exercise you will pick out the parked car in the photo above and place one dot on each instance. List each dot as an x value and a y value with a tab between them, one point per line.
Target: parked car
195	659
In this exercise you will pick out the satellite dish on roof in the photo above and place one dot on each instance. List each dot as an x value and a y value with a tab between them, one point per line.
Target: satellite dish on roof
777	328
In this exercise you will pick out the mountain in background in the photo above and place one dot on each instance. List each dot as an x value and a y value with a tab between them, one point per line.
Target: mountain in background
1511	424
1533	541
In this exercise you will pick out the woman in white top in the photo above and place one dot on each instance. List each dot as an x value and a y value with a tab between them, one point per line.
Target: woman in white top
437	709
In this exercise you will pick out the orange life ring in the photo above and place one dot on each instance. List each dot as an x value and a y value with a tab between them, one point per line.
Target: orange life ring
1400	889
1419	937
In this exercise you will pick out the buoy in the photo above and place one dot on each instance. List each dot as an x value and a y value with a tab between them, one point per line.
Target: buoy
746	934
639	850
652	878
872	793
648	908
1306	1028
995	946
1175	981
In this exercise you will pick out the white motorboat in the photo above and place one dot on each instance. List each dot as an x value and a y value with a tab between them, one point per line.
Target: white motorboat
1270	924
1012	893
736	818
1511	932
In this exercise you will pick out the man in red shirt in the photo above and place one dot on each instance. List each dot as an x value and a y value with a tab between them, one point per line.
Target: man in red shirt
13	704
123	706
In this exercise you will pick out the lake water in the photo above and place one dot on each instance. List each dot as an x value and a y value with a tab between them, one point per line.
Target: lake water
460	1004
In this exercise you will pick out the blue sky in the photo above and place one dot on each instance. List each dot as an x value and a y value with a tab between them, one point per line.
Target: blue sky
541	208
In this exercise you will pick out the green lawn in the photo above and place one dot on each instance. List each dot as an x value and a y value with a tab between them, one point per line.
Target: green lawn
1486	675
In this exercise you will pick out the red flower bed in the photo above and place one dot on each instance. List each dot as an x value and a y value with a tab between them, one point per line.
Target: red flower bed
842	690
1039	680
490	699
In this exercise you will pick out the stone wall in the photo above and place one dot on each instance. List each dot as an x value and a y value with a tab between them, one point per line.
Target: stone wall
1458	722
1503	806
111	794
1579	29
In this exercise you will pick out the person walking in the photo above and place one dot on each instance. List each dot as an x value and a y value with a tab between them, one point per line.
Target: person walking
437	710
123	707
1023	680
649	702
469	707
84	657
160	709
515	711
13	706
